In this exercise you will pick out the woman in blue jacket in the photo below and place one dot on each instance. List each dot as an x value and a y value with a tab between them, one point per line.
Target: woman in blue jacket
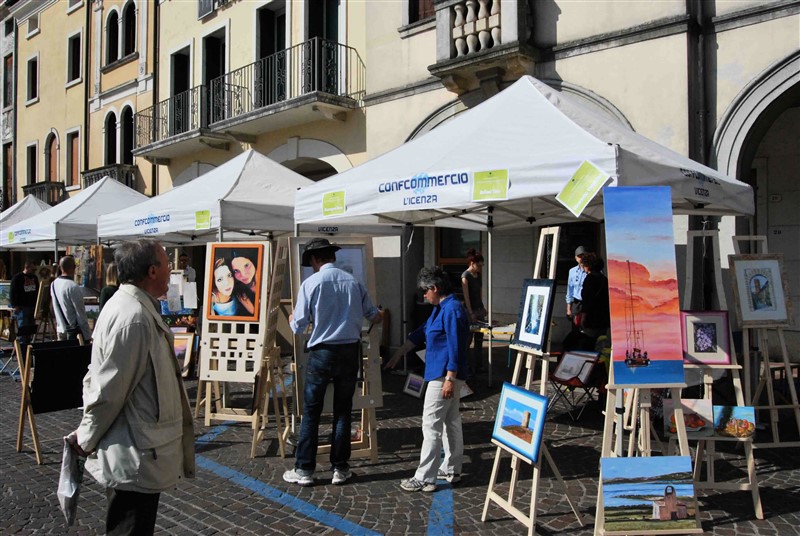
446	336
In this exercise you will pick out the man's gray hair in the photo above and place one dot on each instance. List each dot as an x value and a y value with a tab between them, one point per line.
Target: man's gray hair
134	259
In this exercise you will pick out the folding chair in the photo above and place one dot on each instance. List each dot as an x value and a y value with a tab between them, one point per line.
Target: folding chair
572	381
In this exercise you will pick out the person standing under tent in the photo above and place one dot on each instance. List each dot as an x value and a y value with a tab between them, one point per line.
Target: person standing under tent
188	272
137	429
112	285
68	304
334	303
574	287
446	335
23	291
471	286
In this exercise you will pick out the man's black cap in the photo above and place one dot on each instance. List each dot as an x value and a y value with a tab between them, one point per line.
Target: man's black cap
316	245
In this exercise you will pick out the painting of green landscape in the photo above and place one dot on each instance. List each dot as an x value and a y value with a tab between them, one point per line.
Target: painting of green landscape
649	494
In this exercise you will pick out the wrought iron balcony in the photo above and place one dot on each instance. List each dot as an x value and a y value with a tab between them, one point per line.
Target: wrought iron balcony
315	76
124	173
480	41
50	192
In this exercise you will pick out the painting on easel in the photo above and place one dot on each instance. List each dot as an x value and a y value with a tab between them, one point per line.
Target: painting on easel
759	289
643	286
519	423
535	306
648	495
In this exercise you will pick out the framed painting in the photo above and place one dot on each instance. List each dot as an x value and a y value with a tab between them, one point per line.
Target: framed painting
648	495
698	416
705	337
5	294
519	422
415	385
234	285
576	365
535	307
760	290
183	343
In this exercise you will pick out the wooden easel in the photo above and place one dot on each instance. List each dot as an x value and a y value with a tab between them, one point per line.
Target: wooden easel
369	392
530	358
43	314
246	347
766	367
706	446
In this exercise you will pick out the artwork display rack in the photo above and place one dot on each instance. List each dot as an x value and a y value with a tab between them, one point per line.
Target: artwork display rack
706	446
530	358
368	395
245	352
766	367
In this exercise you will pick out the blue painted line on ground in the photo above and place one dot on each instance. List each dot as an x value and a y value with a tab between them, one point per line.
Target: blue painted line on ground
440	518
274	494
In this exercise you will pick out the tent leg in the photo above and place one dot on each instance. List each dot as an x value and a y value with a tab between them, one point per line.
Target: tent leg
489	293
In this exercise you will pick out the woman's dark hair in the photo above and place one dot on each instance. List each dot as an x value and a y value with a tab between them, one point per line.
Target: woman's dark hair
434	277
474	255
593	261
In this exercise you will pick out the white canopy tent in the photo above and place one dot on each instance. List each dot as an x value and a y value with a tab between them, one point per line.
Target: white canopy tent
71	222
539	137
29	206
248	195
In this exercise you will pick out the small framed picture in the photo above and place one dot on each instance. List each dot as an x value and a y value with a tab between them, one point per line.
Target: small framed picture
519	423
5	294
415	385
576	365
234	285
705	337
760	290
535	306
183	343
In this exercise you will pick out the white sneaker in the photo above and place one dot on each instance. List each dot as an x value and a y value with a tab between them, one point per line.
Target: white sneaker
453	478
293	477
340	476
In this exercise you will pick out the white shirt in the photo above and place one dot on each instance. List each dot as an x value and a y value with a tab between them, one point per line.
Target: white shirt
68	306
190	274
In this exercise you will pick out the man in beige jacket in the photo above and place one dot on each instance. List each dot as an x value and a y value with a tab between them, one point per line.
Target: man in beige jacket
137	425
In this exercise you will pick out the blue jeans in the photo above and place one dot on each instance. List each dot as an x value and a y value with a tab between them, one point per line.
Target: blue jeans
336	363
26	324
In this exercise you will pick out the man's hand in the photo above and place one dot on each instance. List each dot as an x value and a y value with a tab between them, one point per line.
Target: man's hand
72	439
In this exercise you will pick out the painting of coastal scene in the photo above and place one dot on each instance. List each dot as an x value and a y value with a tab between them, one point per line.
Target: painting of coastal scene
519	422
649	494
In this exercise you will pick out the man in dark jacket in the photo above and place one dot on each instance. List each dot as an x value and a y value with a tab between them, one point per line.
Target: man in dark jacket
24	291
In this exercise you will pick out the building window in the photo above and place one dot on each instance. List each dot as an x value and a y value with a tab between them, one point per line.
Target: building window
8	174
33	25
8	81
32	93
72	4
8	27
51	158
111	138
30	162
419	10
112	38
204	7
127	135
73	159
129	29
74	58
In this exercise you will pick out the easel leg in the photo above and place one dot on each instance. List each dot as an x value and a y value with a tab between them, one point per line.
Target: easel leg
788	368
766	376
753	479
199	398
492	482
557	473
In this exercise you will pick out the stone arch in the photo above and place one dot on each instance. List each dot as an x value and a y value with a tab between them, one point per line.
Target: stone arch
779	81
315	159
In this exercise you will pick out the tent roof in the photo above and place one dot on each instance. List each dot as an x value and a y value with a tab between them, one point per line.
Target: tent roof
74	221
28	207
249	193
541	137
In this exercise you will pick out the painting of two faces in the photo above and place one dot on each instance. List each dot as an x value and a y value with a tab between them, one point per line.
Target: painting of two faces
235	272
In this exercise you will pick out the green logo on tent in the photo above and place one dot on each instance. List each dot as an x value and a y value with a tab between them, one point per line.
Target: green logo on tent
10	236
582	187
333	203
202	219
490	185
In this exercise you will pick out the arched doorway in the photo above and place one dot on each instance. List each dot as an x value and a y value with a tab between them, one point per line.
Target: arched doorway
310	168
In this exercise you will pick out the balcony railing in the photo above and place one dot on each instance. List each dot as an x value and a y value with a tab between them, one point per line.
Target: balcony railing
184	112
50	192
317	65
124	173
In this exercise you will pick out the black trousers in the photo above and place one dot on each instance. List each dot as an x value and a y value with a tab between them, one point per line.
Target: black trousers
131	513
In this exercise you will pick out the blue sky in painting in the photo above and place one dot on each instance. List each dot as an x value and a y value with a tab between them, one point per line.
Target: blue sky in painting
638	227
644	467
514	410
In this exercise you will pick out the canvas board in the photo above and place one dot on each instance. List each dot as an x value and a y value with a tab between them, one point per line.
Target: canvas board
698	416
576	365
415	385
183	344
760	290
643	286
735	421
5	294
535	308
519	422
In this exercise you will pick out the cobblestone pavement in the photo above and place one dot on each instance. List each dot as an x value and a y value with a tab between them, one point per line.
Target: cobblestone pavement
234	494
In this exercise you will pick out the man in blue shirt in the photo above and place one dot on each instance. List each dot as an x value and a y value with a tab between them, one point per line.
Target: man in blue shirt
574	287
334	303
